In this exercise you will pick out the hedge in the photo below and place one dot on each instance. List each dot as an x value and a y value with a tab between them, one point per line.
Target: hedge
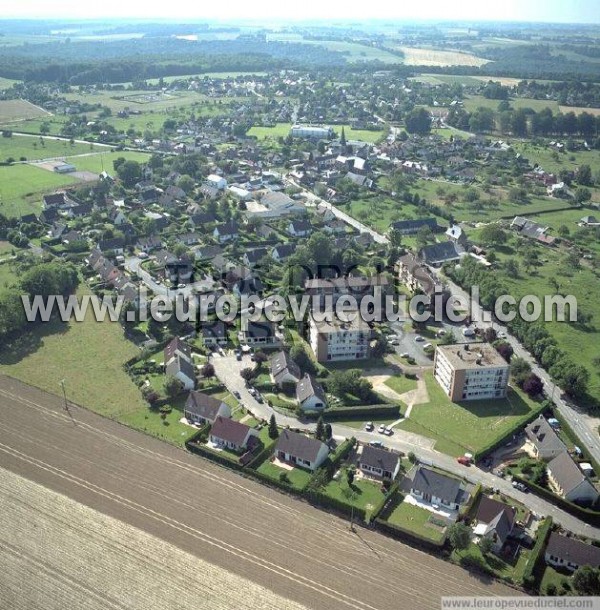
466	509
592	517
260	457
375	512
213	456
319	498
374	411
537	553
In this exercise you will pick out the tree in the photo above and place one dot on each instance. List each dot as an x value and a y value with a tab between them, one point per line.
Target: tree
533	385
328	432
412	458
584	175
586	581
418	121
129	172
173	387
302	359
582	194
504	348
247	374
273	430
350	477
186	183
459	536
320	432
486	545
520	370
208	370
492	235
260	358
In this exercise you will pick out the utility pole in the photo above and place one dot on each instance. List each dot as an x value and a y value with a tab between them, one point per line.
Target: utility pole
62	385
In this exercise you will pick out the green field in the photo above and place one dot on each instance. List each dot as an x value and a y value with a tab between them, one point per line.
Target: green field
6	83
22	187
95	163
475	101
41	148
401	384
283	129
297	477
470	425
363	494
88	355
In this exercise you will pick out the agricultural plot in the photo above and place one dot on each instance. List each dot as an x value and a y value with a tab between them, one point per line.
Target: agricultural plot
32	148
19	110
475	101
6	83
414	56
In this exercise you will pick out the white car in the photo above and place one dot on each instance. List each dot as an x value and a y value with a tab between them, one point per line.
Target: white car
381	429
388	431
419	338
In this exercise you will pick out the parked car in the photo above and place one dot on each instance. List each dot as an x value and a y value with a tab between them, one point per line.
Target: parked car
181	286
463	460
388	431
376	443
369	426
252	391
419	338
238	356
237	394
259	399
427	345
381	429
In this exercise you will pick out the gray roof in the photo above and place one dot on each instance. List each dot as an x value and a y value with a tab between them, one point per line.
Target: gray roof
498	516
203	405
299	445
440	253
543	436
308	387
177	345
573	550
376	457
437	484
182	365
566	472
281	364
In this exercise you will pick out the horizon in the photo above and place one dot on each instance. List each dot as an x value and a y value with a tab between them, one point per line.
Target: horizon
470	11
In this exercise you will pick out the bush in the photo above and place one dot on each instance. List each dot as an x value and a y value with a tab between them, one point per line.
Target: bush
537	554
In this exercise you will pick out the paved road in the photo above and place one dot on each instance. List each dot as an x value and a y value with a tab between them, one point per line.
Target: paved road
299	552
227	369
133	265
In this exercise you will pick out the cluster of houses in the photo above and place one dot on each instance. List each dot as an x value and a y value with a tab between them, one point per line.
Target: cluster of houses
566	477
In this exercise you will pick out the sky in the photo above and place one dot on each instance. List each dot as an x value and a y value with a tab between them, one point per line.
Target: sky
565	11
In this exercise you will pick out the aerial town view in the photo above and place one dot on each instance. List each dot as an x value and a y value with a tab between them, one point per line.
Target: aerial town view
299	305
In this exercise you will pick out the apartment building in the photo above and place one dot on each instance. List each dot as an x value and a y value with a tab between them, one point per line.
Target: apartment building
339	340
473	371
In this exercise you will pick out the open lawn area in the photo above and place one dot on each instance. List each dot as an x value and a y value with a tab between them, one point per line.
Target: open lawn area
88	355
401	384
297	477
414	56
19	110
471	425
503	567
363	494
416	519
95	163
19	147
556	578
475	101
22	187
283	129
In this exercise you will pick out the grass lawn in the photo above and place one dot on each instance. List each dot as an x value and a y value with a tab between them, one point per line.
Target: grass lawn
554	577
363	494
283	129
401	384
33	149
467	426
501	568
88	355
22	187
95	163
298	477
19	110
417	520
475	101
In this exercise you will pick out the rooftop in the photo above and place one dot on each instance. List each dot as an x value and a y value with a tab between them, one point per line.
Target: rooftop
472	355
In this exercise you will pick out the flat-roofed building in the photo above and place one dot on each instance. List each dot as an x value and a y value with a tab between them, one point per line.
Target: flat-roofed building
473	371
339	340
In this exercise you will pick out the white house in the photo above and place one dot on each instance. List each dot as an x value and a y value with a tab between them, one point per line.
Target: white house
300	450
310	394
216	181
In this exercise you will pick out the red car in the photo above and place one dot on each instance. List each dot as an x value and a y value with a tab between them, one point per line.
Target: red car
463	460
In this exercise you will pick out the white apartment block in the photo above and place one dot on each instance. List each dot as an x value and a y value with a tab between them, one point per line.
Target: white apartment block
338	340
473	371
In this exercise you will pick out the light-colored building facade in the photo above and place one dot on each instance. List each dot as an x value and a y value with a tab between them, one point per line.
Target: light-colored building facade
339	340
473	371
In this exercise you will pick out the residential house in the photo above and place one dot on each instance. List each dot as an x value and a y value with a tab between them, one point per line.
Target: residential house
310	394
217	182
284	371
444	252
182	369
457	235
226	232
177	347
300	450
299	228
569	553
282	251
532	230
233	435
254	256
434	487
567	479
494	520
379	463
411	227
542	440
114	244
214	333
203	408
148	244
260	333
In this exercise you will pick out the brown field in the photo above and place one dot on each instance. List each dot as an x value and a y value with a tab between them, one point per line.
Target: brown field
428	57
503	80
19	110
579	110
89	561
235	524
